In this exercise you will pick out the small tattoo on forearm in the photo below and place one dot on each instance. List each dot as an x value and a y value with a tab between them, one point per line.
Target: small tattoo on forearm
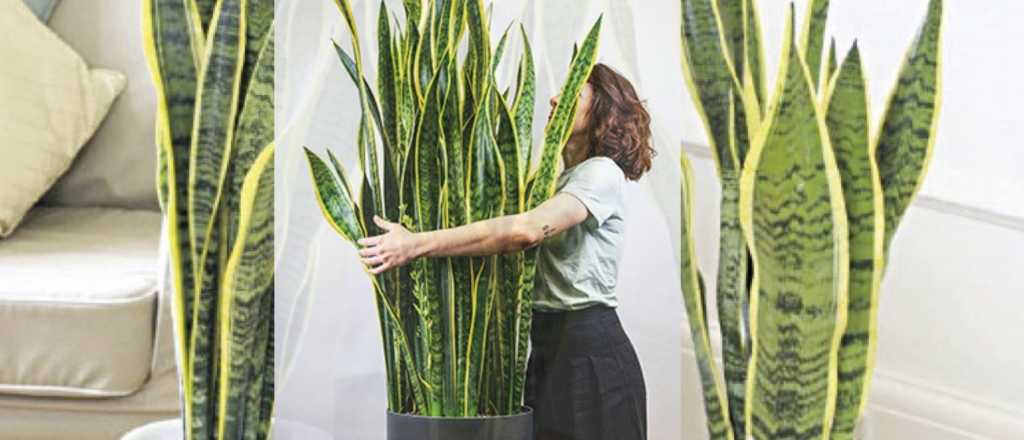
547	231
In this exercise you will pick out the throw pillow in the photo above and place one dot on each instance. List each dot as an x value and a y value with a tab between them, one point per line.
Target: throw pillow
52	103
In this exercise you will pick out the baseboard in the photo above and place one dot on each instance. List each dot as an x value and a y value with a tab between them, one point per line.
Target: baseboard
899	408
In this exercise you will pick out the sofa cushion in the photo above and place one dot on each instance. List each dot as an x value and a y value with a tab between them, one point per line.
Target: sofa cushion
78	299
116	168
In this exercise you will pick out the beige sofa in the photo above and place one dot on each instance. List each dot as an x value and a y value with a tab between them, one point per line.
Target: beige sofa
86	348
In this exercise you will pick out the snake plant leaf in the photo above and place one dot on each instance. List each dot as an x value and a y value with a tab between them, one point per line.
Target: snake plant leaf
813	40
204	11
793	215
368	147
508	147
710	78
255	131
755	53
248	280
429	178
259	18
733	303
522	106
832	66
387	85
715	404
214	125
486	170
847	117
907	138
261	391
559	128
168	50
430	160
480	46
734	27
212	141
499	52
741	32
335	199
351	67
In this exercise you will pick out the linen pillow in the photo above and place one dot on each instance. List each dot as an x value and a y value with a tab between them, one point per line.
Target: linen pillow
51	103
115	168
42	8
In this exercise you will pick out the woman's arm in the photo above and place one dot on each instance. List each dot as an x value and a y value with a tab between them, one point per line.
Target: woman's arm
397	246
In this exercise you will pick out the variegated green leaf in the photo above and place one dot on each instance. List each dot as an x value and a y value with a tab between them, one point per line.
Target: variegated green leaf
335	199
833	65
259	19
214	125
168	49
213	134
907	137
204	10
793	215
248	281
709	78
733	301
559	128
255	131
813	41
847	120
522	107
715	403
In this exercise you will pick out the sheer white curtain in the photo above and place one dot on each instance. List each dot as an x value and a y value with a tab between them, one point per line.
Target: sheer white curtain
330	366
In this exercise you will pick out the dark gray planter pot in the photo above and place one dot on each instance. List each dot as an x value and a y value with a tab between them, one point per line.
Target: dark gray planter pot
410	427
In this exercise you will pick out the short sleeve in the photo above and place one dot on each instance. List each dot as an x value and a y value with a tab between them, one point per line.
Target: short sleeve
597	183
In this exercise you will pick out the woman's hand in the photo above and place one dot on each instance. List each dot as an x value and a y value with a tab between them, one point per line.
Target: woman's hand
395	248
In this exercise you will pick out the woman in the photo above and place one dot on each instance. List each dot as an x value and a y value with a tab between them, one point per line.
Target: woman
584	379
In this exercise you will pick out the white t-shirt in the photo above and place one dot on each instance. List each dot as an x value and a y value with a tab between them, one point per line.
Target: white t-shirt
579	267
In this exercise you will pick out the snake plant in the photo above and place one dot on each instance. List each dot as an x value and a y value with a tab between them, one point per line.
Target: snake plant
213	66
810	204
441	145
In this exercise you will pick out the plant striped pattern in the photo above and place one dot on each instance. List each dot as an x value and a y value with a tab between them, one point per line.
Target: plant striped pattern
847	120
212	64
795	220
819	204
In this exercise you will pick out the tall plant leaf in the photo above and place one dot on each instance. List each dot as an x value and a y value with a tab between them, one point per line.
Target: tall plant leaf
715	404
212	140
847	120
522	108
168	50
813	40
335	199
794	218
248	280
907	138
710	78
255	131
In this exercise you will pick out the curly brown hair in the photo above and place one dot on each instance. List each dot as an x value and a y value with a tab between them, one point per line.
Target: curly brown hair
619	126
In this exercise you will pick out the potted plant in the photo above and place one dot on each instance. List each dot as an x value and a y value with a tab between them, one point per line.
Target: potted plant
810	205
213	67
439	145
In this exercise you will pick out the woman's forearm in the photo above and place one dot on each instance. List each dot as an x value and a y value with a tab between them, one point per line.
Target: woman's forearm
488	237
397	246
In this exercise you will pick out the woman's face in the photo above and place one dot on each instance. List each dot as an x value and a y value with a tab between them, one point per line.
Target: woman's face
582	110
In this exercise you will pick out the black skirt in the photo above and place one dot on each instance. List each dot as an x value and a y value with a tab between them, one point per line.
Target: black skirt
584	380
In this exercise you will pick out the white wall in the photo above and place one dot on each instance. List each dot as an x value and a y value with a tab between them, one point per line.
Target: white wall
948	356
